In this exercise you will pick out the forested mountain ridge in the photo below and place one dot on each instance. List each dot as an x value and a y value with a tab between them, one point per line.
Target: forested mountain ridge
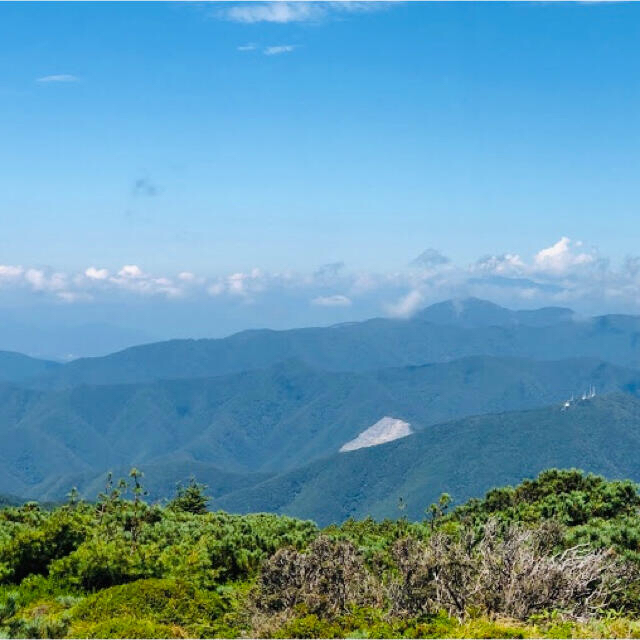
268	420
464	458
268	433
439	333
16	367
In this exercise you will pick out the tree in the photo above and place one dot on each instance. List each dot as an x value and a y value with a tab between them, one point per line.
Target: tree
191	498
438	509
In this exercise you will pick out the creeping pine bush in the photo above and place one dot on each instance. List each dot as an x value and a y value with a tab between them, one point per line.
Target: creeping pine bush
568	496
127	627
99	563
172	604
204	549
38	539
127	540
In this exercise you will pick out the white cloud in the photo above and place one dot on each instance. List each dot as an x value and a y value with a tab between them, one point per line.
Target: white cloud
279	12
332	301
244	284
35	277
247	47
131	271
505	264
278	49
563	273
96	274
239	284
561	256
407	305
81	285
72	296
364	282
236	284
132	278
45	281
57	281
299	11
10	272
58	78
216	289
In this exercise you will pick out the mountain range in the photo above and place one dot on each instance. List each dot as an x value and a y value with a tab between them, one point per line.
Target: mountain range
261	416
448	331
265	420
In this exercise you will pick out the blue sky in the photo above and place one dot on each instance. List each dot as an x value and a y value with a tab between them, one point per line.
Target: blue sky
261	141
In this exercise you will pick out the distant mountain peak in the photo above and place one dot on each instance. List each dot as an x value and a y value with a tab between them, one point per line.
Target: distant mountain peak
475	312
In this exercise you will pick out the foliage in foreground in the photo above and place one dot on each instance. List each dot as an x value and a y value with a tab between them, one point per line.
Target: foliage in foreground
557	556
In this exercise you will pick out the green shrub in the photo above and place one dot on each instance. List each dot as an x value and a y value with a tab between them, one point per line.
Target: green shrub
99	563
126	627
204	549
309	626
31	548
569	496
40	619
165	602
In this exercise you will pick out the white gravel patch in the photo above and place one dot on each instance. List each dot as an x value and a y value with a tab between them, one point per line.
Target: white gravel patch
385	430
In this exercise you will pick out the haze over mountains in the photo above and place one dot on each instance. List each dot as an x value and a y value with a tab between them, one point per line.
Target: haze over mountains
261	416
439	333
60	341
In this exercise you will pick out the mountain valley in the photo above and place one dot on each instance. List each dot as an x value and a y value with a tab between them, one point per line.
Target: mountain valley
277	434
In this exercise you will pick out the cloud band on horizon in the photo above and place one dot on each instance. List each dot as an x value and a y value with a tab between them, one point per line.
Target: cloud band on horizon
563	273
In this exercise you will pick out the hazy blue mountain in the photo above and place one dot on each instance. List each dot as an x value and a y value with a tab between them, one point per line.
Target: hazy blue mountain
266	420
479	329
15	367
474	313
61	338
464	458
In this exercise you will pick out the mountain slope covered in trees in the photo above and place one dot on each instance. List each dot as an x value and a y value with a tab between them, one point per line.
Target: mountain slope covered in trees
16	367
268	421
445	332
267	435
464	458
